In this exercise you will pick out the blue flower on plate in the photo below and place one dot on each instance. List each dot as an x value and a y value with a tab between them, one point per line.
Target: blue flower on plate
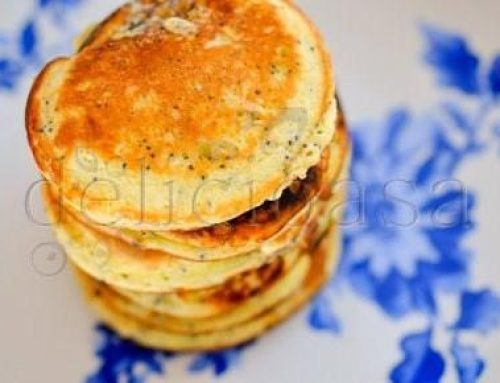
28	39
421	363
10	73
14	56
494	77
455	64
321	315
124	361
24	50
479	311
218	362
406	216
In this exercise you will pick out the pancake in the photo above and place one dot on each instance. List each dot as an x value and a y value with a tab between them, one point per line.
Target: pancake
181	118
267	228
155	330
215	320
128	267
120	264
216	300
220	299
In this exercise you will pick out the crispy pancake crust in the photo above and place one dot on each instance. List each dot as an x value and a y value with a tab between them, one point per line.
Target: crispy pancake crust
151	330
242	312
120	264
217	300
195	314
266	228
183	119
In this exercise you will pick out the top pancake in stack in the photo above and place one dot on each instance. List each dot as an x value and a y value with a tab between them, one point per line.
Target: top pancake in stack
182	118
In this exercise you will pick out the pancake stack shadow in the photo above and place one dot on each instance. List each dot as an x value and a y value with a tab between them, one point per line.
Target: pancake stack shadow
195	157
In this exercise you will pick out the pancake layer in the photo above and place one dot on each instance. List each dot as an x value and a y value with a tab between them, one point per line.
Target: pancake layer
159	331
267	228
182	118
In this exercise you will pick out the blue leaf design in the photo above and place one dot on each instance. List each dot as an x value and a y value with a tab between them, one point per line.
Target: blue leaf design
119	357
468	364
358	152
480	311
455	64
423	292
28	39
56	3
4	40
322	317
10	71
218	362
442	162
426	171
362	280
468	125
421	364
458	116
394	295
494	77
396	124
455	204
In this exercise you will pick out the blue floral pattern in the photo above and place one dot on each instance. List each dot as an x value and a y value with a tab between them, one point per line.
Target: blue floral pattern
455	65
401	263
124	361
494	77
217	362
469	365
421	363
479	311
25	51
399	253
120	360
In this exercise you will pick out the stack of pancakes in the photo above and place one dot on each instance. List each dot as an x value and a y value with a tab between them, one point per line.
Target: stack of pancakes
189	149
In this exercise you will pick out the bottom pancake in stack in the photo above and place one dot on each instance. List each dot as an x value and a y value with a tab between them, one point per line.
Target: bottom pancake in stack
250	318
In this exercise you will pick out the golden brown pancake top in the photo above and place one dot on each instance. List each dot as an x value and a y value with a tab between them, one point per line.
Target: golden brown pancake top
149	99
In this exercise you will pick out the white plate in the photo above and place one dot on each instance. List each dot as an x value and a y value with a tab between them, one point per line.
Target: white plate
416	299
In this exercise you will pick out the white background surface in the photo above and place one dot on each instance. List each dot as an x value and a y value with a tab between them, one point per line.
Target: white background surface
46	332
